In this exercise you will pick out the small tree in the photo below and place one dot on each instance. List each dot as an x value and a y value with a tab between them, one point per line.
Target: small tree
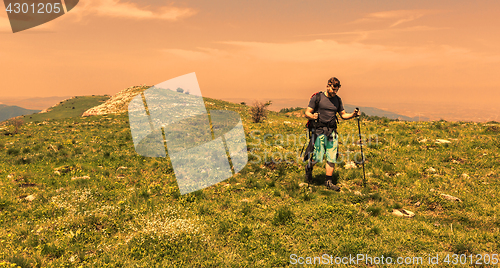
259	111
16	123
180	90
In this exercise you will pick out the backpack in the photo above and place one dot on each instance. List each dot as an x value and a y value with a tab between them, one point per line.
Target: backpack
312	124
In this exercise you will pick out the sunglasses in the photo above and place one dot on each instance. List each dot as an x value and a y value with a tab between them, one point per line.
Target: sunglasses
335	87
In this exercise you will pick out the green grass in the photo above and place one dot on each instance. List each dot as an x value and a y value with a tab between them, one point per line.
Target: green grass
74	107
129	212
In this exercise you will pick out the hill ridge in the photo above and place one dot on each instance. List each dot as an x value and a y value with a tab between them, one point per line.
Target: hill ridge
118	103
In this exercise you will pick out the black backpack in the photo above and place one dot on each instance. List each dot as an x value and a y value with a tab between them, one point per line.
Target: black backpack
312	124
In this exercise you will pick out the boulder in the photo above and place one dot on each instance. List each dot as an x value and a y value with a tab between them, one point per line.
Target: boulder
403	213
451	198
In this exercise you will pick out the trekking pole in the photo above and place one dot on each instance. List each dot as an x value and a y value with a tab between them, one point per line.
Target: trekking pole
362	155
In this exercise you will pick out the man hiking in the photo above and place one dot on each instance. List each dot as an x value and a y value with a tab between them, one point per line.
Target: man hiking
322	112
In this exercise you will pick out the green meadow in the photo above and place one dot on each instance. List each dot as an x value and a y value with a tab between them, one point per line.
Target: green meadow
74	193
74	107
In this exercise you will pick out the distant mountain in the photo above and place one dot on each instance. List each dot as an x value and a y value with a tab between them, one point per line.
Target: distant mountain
371	111
278	104
36	103
7	112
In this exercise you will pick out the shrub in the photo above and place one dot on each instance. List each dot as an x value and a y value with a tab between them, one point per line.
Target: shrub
291	109
492	129
17	123
4	203
13	151
259	111
374	210
282	216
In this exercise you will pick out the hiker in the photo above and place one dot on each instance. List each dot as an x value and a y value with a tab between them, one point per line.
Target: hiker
322	110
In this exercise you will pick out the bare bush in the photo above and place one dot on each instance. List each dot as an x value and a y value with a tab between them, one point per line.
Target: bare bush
259	111
16	123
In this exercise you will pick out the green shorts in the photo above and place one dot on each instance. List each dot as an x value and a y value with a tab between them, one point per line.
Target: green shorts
322	145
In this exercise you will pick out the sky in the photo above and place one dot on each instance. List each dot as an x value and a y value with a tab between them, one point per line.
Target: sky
407	56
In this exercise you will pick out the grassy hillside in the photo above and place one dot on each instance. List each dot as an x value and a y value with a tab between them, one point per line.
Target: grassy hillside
74	193
73	107
7	112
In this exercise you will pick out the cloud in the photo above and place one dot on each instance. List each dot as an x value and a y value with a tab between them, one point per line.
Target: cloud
116	8
201	54
365	33
398	16
319	51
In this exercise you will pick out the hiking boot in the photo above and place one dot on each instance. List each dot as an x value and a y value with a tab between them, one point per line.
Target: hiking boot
309	174
329	184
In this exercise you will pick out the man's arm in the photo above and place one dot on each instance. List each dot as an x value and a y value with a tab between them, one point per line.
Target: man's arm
310	115
346	116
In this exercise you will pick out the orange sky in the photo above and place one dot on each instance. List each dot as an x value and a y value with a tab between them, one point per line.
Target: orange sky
382	51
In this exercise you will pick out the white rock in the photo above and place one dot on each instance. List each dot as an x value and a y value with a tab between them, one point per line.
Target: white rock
350	165
403	213
358	193
80	178
439	141
451	198
465	176
30	197
431	170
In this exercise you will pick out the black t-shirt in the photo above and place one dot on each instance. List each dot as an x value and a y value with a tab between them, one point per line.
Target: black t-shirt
328	107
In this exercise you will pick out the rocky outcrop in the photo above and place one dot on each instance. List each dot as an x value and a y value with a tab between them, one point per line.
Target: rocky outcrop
118	103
